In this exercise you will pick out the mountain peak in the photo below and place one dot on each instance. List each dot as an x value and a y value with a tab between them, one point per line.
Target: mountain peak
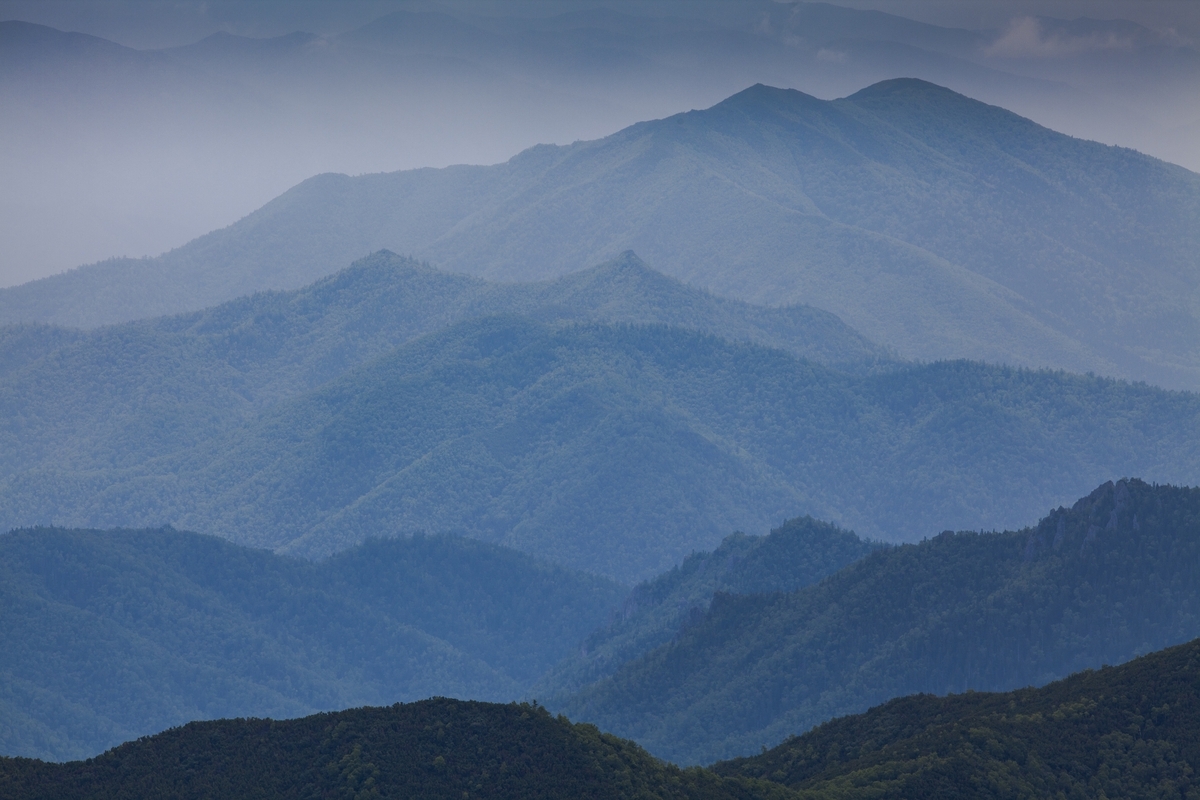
762	96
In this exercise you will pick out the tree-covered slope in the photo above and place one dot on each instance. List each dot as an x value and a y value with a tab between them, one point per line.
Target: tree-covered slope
106	636
930	222
1129	731
1111	578
798	553
122	394
621	449
436	748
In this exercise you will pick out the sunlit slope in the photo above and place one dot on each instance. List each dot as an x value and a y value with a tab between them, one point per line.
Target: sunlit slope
621	449
111	635
119	395
1108	579
930	222
1127	731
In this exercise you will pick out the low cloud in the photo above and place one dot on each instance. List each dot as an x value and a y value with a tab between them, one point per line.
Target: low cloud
1026	37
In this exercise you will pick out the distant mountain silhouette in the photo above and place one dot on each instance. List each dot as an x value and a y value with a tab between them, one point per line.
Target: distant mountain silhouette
111	635
933	224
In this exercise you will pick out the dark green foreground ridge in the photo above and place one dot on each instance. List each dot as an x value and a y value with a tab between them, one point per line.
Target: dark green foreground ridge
435	748
1131	731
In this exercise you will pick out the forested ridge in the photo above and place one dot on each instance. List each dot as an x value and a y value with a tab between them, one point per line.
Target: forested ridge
114	396
437	748
1115	576
798	553
521	432
1127	731
109	635
1130	731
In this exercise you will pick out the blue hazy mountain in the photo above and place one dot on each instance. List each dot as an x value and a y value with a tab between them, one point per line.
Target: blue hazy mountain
123	394
119	151
111	635
1110	578
931	223
798	553
613	448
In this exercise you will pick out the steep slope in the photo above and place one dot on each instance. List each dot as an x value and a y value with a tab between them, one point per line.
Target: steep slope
1127	731
120	395
436	748
621	449
108	636
798	553
1109	579
932	223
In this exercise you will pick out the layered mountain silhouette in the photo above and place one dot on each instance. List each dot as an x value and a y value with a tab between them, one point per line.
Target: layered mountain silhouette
1087	586
118	395
613	448
119	151
1108	579
798	553
931	223
111	635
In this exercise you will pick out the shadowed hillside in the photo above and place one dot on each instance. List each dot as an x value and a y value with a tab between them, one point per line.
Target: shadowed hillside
1113	577
110	635
436	748
1127	731
796	554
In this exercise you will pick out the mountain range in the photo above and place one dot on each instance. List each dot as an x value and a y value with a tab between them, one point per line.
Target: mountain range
115	150
111	635
933	224
143	390
244	482
1111	578
523	432
1127	731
